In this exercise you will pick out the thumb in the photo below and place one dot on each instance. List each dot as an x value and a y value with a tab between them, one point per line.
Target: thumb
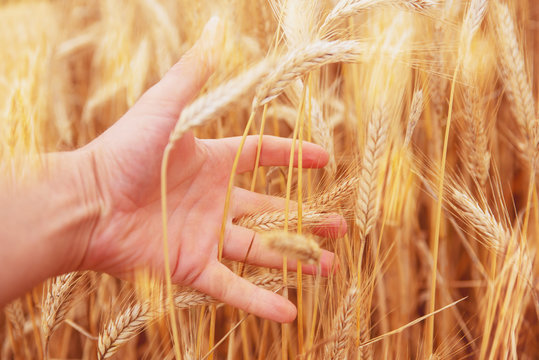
143	132
185	79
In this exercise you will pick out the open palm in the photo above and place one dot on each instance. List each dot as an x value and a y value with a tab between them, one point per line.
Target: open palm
129	235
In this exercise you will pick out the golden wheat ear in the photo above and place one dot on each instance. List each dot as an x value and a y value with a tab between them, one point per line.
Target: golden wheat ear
295	246
216	102
347	8
514	74
366	207
60	298
122	329
275	220
16	320
344	324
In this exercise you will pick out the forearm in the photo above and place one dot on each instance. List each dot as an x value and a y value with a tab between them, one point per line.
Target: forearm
46	222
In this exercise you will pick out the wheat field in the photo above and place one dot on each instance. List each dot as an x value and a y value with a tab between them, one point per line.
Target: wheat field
428	111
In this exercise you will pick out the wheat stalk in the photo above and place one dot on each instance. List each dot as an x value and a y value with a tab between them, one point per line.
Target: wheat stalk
321	131
365	330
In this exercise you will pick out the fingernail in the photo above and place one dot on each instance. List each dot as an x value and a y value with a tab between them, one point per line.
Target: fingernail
211	40
329	263
326	260
212	34
211	26
289	313
281	310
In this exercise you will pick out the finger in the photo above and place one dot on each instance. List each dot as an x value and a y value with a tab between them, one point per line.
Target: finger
242	244
275	151
248	202
332	226
185	79
221	283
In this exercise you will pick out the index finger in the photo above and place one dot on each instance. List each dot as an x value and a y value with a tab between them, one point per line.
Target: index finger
275	151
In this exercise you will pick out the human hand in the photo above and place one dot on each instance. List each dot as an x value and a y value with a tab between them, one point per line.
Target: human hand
127	158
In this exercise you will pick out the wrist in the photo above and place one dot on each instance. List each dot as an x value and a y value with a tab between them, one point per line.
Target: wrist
83	204
68	194
46	221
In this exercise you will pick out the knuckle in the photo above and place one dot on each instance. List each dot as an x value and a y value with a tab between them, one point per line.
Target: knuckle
250	303
223	290
187	272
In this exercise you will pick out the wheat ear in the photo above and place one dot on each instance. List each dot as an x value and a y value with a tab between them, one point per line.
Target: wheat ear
347	8
275	220
58	302
16	318
343	325
474	17
15	315
415	113
492	233
217	101
322	134
295	246
474	152
329	200
515	78
367	202
301	61
437	90
130	323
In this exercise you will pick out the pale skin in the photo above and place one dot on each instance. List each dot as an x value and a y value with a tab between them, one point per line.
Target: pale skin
98	208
